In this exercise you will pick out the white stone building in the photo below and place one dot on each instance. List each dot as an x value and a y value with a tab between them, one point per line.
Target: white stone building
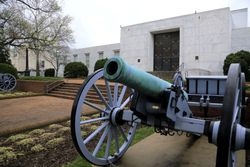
91	54
18	59
197	43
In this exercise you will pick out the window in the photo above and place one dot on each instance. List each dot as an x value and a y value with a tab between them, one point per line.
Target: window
65	59
116	52
87	59
42	65
100	55
75	57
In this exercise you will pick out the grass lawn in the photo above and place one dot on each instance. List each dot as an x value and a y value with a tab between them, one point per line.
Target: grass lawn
42	78
140	134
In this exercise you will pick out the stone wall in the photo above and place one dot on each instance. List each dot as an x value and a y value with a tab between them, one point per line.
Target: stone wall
32	86
241	39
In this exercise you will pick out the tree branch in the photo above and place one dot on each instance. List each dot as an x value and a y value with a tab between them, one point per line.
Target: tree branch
34	8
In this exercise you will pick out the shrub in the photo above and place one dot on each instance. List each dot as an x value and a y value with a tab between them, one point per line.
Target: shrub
55	126
7	68
37	132
75	70
100	64
17	137
50	72
54	142
4	54
242	57
37	148
47	136
26	142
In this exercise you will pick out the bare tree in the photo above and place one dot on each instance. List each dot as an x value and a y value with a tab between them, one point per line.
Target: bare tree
38	24
14	21
57	56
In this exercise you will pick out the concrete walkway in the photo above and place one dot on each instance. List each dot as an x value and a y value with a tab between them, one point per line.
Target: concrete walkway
173	151
32	112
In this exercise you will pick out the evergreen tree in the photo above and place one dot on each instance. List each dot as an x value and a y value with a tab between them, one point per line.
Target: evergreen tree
4	55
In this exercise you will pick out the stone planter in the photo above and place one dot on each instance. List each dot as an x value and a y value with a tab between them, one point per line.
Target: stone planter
32	86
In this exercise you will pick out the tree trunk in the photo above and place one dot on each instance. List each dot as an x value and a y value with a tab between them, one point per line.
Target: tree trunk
56	72
57	65
37	64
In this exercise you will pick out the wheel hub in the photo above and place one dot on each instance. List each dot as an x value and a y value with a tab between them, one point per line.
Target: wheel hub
115	116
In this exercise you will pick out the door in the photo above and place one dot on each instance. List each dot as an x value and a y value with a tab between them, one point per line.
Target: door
166	51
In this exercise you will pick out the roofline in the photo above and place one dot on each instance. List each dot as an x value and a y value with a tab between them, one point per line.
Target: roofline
169	18
239	9
96	46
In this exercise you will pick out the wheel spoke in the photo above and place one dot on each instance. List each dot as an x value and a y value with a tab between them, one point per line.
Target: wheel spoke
94	106
122	95
109	93
115	133
123	134
108	144
101	96
93	120
115	93
236	107
125	102
95	133
97	148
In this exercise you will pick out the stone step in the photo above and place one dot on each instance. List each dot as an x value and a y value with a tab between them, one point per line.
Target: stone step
62	96
66	90
95	101
72	84
70	88
63	93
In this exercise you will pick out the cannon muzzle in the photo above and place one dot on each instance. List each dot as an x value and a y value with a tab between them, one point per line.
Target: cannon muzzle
116	70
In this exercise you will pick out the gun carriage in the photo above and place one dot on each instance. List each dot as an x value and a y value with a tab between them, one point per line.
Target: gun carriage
7	82
132	97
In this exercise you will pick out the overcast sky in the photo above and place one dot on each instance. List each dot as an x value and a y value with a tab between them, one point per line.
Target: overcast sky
97	22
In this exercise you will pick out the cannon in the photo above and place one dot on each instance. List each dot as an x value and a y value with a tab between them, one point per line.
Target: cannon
129	97
7	82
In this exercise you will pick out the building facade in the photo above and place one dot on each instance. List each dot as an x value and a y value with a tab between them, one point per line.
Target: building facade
197	44
91	54
18	59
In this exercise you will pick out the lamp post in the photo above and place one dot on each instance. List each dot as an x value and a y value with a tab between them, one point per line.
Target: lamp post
27	72
57	62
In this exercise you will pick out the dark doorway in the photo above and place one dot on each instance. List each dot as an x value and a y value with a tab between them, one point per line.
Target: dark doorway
166	51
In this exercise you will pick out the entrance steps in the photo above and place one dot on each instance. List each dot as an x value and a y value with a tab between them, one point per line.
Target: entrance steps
70	90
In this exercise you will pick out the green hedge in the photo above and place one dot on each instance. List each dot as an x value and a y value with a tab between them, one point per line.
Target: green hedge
50	72
40	78
242	57
75	70
7	68
100	64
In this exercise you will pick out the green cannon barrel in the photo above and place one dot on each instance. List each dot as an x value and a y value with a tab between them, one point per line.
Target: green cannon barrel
116	70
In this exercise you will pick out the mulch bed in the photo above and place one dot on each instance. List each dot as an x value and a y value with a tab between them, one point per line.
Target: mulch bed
54	155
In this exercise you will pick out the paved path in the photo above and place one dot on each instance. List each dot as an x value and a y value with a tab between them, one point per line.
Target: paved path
173	151
32	112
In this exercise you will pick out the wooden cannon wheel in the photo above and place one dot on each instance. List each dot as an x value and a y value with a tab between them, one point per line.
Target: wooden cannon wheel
7	82
102	138
233	99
